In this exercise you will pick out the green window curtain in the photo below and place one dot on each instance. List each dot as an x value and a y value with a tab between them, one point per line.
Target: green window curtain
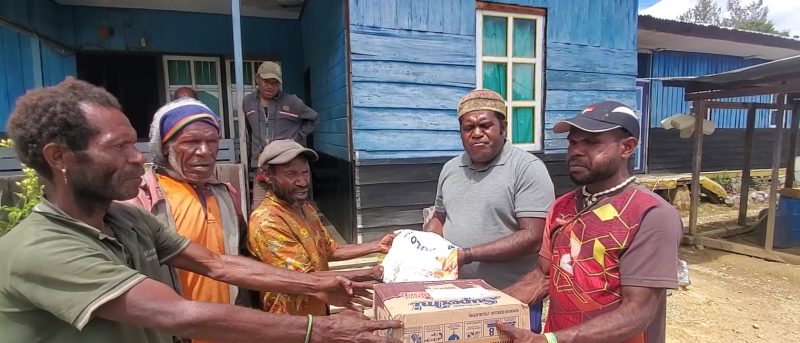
523	125
210	99
205	73
494	77
495	31
523	81
179	72
524	38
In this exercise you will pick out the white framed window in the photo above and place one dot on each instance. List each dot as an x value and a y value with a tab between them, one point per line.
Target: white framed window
249	68
198	72
510	61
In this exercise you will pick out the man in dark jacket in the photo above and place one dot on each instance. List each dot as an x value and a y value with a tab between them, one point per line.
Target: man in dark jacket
272	114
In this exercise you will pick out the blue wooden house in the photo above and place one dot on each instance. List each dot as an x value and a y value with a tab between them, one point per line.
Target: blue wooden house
669	48
385	75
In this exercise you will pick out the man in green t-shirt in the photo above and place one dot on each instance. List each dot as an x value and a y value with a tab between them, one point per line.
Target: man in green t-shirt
82	268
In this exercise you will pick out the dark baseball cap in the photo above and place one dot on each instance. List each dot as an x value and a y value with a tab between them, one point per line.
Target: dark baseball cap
601	117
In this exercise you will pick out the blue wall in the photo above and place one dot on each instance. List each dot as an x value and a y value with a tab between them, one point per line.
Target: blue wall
171	32
25	63
414	59
166	32
668	101
324	51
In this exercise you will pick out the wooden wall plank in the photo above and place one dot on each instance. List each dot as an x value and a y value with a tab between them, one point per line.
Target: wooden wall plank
467	17
419	15
576	80
452	19
436	16
404	15
388	155
562	56
559	100
402	140
409	46
395	194
399	95
365	118
419	73
381	174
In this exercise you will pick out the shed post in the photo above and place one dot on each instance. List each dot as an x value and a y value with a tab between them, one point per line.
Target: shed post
790	167
699	110
776	165
748	159
238	66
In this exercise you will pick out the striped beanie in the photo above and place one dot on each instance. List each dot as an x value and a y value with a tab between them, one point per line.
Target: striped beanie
174	116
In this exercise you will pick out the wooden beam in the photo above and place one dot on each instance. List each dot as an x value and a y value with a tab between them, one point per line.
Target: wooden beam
744	249
744	105
759	90
699	111
699	86
744	191
491	6
773	186
790	168
727	231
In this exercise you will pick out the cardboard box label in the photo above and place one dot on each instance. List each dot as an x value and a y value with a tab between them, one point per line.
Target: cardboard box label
448	311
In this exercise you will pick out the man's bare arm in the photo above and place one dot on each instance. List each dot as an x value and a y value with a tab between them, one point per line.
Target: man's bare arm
638	308
525	241
251	274
152	304
436	224
533	286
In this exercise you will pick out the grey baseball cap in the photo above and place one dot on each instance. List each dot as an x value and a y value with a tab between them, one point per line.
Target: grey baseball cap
284	150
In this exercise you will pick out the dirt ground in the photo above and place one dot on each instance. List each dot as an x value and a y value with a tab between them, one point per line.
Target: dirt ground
734	298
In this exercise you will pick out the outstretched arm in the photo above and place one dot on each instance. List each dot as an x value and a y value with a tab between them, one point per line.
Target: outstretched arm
152	304
251	274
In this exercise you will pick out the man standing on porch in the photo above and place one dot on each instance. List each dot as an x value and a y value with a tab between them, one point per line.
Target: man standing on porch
492	200
610	248
272	114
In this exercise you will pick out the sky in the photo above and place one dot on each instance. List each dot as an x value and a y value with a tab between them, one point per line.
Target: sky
783	13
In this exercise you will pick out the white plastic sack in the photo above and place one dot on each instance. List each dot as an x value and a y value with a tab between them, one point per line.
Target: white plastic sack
420	256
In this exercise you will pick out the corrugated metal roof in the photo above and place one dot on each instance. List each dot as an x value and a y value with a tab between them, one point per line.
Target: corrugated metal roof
773	72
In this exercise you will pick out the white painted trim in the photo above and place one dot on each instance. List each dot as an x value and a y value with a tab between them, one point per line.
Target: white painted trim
194	86
509	60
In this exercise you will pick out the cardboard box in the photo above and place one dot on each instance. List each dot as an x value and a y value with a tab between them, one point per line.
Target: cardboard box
439	311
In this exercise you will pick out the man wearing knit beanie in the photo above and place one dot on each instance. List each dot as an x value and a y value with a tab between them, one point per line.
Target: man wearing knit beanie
492	200
181	190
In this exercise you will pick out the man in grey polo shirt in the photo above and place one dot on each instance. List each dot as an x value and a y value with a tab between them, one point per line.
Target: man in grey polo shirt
492	200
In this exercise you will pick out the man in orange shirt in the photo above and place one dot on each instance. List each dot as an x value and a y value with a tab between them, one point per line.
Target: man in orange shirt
181	190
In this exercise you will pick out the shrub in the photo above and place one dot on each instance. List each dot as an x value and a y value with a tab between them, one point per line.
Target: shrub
30	195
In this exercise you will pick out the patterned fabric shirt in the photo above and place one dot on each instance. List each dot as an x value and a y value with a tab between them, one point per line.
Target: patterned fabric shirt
292	238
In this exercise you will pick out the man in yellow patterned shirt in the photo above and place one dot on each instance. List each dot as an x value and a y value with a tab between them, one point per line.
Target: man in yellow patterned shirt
285	230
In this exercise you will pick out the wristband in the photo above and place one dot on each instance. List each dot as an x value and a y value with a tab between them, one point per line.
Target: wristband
551	337
310	328
467	256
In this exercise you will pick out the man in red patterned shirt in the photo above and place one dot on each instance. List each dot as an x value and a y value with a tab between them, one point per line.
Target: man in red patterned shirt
610	248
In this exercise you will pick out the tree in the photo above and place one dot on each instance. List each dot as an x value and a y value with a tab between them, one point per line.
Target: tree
752	16
704	12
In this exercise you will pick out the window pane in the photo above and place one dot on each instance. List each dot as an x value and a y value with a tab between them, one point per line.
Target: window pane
524	38
494	36
205	73
179	73
523	81
210	99
248	73
494	77
523	125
